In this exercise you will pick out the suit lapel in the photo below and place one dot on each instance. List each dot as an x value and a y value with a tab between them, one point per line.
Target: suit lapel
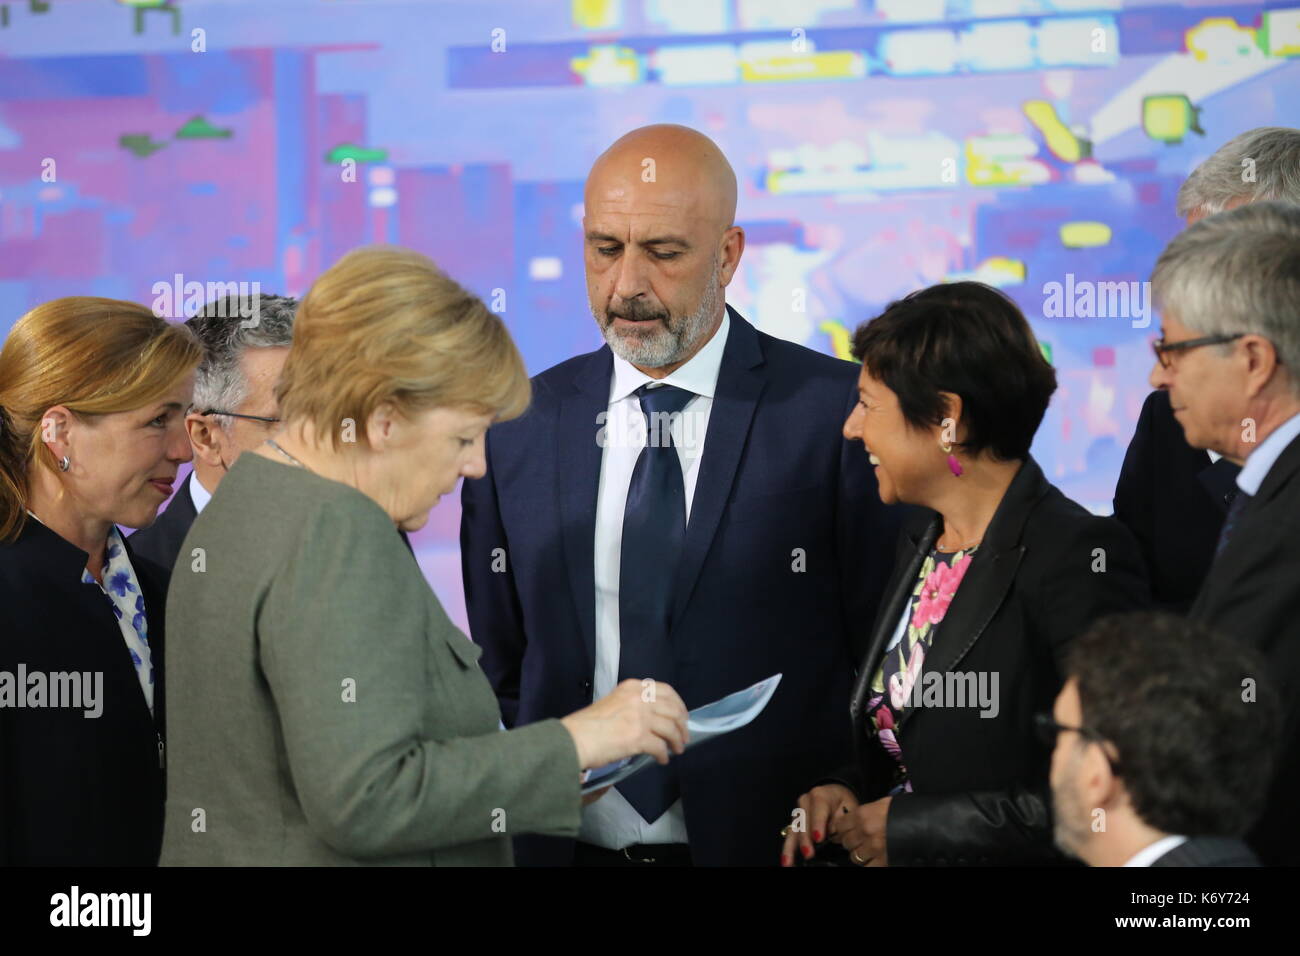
734	401
989	577
982	591
900	591
579	456
1284	469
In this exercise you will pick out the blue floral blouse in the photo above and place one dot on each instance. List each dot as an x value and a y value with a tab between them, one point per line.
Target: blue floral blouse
121	589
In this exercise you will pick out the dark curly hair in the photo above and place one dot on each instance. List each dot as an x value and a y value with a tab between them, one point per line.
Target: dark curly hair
1196	755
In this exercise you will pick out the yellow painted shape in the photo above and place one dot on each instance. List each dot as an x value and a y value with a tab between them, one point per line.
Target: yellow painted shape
1084	235
1063	143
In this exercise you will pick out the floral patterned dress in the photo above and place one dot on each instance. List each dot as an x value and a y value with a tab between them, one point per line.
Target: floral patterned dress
904	661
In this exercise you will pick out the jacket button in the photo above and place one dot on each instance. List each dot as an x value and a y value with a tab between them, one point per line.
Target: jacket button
584	685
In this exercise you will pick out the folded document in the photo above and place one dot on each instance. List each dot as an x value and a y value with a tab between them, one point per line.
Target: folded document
704	723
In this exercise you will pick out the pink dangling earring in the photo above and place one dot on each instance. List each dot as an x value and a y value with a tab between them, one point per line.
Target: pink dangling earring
953	464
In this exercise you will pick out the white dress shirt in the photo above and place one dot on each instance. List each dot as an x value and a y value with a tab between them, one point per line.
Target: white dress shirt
611	821
198	494
1260	461
1149	854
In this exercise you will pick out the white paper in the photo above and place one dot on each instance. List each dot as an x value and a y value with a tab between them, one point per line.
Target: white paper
703	723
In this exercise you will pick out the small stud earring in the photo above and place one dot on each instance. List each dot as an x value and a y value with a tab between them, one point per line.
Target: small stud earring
64	463
953	464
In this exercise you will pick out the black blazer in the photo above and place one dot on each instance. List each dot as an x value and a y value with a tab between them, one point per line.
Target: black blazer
77	791
980	791
161	541
1209	851
1174	499
1253	592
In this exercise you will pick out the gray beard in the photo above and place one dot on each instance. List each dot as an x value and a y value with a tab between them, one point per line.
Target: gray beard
658	345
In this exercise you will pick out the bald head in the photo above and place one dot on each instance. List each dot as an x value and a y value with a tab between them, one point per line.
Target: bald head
661	243
665	164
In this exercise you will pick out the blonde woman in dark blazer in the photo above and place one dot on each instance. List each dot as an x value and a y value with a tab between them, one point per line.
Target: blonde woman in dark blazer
93	395
323	709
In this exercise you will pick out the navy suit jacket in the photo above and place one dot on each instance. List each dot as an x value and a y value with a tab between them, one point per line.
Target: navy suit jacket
777	481
1209	851
1251	594
1173	498
161	541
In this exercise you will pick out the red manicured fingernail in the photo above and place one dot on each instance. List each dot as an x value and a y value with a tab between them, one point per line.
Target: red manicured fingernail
785	859
807	853
817	836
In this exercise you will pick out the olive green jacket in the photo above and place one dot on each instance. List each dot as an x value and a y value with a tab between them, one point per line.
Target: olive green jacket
321	707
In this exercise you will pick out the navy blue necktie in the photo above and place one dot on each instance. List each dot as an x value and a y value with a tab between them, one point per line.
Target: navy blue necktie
654	527
1239	502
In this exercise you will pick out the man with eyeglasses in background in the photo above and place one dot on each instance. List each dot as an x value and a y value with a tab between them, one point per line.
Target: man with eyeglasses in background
1172	496
245	342
1163	742
1229	357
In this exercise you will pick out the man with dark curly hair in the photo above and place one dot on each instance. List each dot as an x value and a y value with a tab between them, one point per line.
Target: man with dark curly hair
1164	745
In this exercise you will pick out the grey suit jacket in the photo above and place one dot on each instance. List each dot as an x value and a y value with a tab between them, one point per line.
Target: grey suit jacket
321	707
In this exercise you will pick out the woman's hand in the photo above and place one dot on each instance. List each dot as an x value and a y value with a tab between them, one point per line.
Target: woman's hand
636	717
862	832
820	806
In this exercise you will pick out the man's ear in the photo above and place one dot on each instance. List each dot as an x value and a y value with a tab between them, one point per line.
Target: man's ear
733	247
1101	788
1261	363
205	438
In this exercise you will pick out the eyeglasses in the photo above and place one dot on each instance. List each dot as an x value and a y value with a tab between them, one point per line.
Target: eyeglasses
1048	729
1163	349
251	418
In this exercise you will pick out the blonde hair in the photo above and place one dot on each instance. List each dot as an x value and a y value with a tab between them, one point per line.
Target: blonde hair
385	325
96	356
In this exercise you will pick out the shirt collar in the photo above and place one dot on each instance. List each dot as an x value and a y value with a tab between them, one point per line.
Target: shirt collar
1149	854
699	375
198	494
1260	461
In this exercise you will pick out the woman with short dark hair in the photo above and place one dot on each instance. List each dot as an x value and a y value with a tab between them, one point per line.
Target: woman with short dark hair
996	574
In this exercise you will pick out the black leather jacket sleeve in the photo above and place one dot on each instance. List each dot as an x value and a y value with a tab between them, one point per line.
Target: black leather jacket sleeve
978	828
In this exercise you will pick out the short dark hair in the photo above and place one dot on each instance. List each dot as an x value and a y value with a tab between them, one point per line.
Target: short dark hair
1195	755
969	339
